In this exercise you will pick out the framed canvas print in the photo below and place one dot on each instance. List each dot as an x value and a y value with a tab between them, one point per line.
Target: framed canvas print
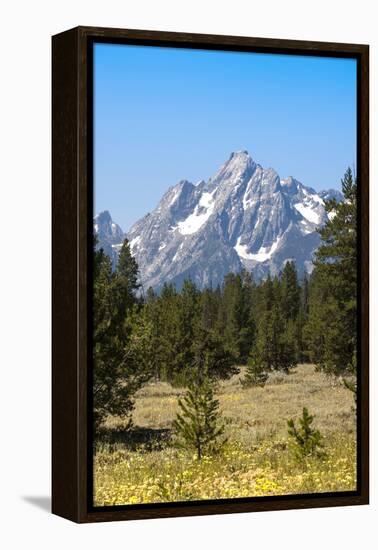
210	274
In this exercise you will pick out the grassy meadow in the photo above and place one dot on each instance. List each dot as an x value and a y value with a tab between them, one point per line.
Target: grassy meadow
143	465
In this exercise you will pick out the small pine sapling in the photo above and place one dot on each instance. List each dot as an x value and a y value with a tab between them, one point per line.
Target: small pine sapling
305	440
197	426
256	374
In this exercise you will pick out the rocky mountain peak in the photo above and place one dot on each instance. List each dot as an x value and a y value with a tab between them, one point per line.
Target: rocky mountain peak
103	218
244	216
109	234
238	168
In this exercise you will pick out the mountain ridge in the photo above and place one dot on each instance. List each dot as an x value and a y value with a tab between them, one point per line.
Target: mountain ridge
244	216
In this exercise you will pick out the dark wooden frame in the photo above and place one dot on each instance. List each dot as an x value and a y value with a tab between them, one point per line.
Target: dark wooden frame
72	231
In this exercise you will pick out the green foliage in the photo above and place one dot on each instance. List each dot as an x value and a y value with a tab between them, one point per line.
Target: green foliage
290	292
231	323
305	440
121	351
276	339
256	374
301	322
210	303
209	348
188	314
197	425
164	315
236	323
185	326
332	326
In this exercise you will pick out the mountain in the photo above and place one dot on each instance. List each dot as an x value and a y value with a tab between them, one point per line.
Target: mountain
329	194
243	216
109	235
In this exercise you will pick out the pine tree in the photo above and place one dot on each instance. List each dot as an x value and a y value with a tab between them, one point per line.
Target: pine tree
256	373
210	301
288	346
237	322
120	364
275	347
209	348
332	325
189	319
305	440
248	328
197	425
182	330
302	344
163	312
305	296
102	342
290	292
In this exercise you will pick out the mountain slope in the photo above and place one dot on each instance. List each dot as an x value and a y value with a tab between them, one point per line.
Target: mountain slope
244	216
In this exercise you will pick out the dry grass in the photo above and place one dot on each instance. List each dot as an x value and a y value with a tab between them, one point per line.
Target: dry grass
259	412
256	460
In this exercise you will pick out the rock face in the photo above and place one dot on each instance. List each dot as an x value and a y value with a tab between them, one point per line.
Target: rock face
243	216
109	235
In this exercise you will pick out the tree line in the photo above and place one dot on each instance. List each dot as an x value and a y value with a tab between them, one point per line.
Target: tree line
187	334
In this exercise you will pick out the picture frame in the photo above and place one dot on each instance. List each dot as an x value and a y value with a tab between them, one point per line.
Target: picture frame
72	209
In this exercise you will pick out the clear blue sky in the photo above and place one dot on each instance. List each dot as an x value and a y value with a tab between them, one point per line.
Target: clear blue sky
165	114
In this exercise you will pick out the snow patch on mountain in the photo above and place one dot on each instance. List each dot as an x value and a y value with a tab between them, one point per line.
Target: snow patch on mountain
199	216
134	243
307	212
264	253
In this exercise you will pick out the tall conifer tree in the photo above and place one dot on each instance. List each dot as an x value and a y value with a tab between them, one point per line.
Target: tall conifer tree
332	326
121	363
